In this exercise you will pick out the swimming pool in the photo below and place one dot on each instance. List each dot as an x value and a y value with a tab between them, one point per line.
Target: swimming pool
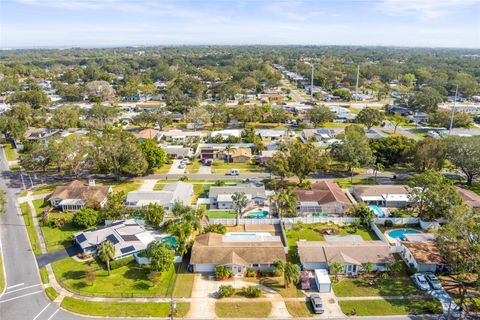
169	241
257	215
378	212
400	233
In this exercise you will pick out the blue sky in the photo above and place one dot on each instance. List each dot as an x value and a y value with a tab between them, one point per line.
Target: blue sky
101	23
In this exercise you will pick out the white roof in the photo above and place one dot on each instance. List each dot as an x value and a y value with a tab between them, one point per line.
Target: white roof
227	132
322	276
227	197
395	197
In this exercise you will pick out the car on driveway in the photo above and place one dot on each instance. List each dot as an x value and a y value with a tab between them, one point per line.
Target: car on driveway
317	303
420	281
433	281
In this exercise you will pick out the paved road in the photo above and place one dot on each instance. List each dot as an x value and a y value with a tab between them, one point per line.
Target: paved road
389	126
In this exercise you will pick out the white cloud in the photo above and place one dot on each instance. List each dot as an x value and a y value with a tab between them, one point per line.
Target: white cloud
424	9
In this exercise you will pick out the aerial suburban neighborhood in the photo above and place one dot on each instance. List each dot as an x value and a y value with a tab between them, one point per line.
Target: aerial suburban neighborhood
237	181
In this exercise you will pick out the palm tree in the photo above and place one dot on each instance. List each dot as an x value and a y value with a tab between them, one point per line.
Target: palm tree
240	201
106	252
291	274
378	167
287	202
368	267
336	268
228	149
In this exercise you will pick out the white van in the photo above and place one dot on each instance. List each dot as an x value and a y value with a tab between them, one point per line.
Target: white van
234	172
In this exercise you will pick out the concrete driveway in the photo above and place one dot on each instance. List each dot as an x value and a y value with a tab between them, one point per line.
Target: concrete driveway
202	305
205	170
174	169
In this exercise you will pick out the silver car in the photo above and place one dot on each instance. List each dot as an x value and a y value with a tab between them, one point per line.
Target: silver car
420	281
317	303
433	280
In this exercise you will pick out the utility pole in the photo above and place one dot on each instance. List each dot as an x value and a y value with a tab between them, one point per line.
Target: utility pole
311	87
356	84
453	110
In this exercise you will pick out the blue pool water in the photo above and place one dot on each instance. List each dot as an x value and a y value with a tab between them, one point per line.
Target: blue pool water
257	215
170	241
378	212
400	233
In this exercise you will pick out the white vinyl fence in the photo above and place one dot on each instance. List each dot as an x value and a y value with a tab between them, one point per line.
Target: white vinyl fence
310	220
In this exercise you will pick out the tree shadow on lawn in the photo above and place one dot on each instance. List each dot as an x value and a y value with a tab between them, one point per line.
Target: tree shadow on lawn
74	275
135	272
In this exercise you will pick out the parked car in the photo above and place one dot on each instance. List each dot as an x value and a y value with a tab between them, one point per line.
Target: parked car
234	172
433	281
182	165
208	163
317	303
420	282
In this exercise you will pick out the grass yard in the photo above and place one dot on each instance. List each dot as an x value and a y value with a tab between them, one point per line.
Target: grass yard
347	182
44	275
243	309
32	235
39	205
58	238
124	309
125	186
44	188
51	293
278	284
2	275
224	167
200	191
335	125
10	153
391	307
193	166
299	309
220	214
128	281
360	287
184	283
163	170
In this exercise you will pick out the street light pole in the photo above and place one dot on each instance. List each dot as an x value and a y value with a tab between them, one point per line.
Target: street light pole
453	110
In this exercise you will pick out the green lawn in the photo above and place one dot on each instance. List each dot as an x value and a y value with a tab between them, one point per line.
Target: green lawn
220	214
359	287
193	166
200	191
391	307
2	275
224	167
32	235
39	205
58	238
163	170
184	283
44	275
10	153
278	284
51	293
243	309
124	309
299	309
128	281
125	186
348	183
335	125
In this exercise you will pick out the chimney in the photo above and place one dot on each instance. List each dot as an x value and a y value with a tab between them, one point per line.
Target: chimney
91	182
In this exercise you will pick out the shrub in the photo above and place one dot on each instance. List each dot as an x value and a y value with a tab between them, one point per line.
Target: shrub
250	273
85	218
411	271
306	185
115	264
388	223
276	272
216	228
226	291
184	178
252	292
222	273
219	183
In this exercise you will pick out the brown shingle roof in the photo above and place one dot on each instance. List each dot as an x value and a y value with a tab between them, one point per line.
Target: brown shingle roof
241	152
78	190
378	190
147	134
324	192
469	197
344	252
425	252
210	248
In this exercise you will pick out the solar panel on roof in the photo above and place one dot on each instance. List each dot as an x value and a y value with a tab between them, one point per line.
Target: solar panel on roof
129	237
81	238
127	249
112	238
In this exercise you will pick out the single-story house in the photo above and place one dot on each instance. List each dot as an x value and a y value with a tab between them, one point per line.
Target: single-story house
177	151
271	134
127	236
396	196
227	133
322	254
176	135
236	252
172	193
325	196
241	155
266	155
469	197
76	195
319	134
147	134
221	196
218	150
273	96
423	255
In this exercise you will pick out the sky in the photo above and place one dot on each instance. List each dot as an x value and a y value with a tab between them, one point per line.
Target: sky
106	23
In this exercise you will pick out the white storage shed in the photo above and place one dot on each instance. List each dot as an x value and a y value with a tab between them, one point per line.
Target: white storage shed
322	280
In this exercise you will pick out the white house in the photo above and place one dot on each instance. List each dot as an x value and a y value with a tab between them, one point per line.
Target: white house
421	252
221	197
172	193
396	196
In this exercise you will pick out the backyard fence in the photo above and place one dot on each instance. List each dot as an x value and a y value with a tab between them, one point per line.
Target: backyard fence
229	222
